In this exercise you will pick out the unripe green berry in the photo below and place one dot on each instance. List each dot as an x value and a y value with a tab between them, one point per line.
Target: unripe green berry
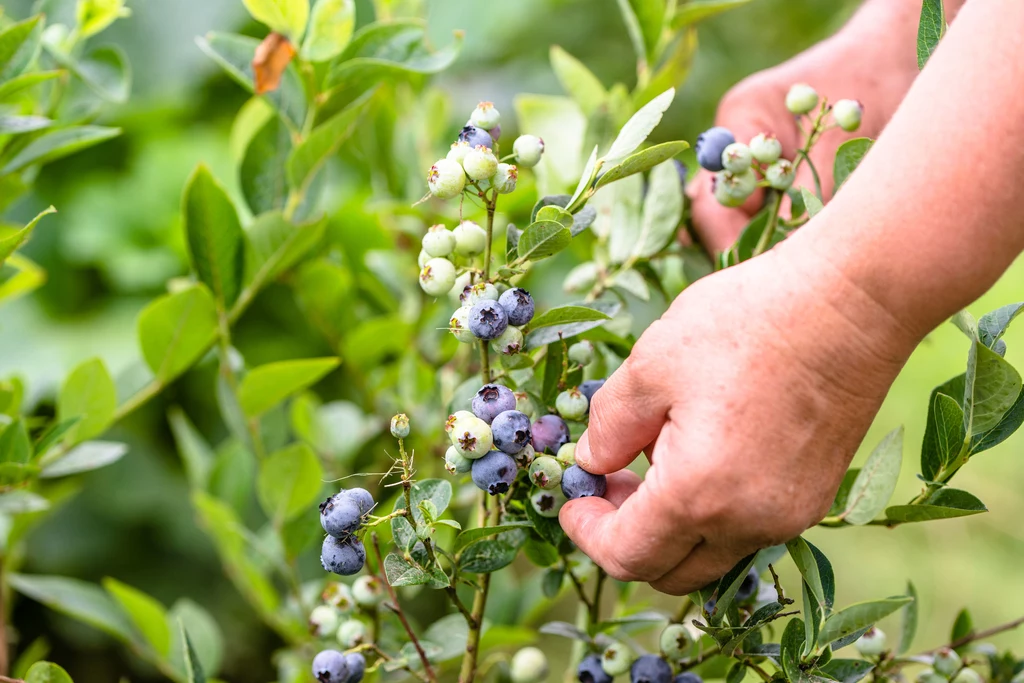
505	178
765	148
529	665
339	596
400	426
458	152
929	676
547	503
509	342
439	241
524	404
446	179
582	353
736	158
472	437
368	592
801	99
616	659
675	642
848	114
545	472
781	174
481	291
455	420
581	278
732	189
351	633
571	404
324	620
437	277
524	458
872	643
480	163
485	116
470	239
459	325
566	455
456	463
947	662
967	675
528	150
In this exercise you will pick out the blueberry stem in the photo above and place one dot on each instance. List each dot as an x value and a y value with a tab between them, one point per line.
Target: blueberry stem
773	221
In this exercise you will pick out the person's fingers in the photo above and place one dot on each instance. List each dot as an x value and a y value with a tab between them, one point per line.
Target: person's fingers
706	563
626	415
621	485
717	226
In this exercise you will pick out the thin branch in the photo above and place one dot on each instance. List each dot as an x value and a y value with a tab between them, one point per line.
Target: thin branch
981	635
783	600
577	585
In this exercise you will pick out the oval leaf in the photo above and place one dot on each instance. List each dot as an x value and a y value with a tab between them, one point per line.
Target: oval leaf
564	315
543	239
214	235
174	330
947	503
857	617
639	127
289	482
265	386
876	481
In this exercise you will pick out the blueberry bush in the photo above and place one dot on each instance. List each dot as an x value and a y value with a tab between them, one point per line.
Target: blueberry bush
487	387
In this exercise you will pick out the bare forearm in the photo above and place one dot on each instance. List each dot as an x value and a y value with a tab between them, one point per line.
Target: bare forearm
932	217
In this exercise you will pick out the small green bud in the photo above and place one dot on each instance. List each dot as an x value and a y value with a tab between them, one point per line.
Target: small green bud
400	426
780	175
848	114
737	157
765	148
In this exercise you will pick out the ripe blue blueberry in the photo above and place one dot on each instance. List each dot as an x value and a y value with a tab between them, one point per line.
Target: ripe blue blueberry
572	404
687	677
446	179
492	400
351	633
710	605
616	659
578	483
801	99
766	148
590	671
340	515
528	150
675	642
356	667
748	589
474	137
650	669
487	320
589	388
368	591
547	503
549	434
345	557
400	426
508	343
494	472
710	145
511	431
362	498
455	462
545	472
330	666
736	158
518	305
528	665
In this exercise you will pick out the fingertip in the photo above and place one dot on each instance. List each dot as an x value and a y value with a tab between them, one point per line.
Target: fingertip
584	456
583	520
622	485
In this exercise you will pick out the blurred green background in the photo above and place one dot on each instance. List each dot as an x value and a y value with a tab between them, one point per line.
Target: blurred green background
117	240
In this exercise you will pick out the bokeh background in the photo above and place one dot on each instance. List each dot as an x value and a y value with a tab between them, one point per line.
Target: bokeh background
117	240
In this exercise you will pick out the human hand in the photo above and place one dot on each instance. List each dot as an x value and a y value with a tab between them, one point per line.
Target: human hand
750	397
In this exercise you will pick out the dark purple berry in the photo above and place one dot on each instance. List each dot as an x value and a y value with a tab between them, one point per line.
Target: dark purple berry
590	671
487	320
362	498
710	145
474	136
356	667
340	515
578	483
688	677
748	589
494	472
330	666
549	434
589	388
492	400
343	556
518	304
650	669
511	431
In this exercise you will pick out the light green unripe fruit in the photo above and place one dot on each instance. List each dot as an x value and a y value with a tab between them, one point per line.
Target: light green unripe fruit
566	455
780	175
732	189
737	157
458	152
545	472
528	150
801	99
368	592
872	643
351	633
571	404
439	241
399	430
675	642
509	342
470	239
616	659
529	665
947	662
480	163
324	620
547	503
505	178
339	596
481	291
437	277
446	179
848	114
765	148
472	437
967	676
456	463
459	325
581	353
485	116
524	458
929	676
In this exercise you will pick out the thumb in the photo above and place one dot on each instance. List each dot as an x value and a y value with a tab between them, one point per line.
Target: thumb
626	415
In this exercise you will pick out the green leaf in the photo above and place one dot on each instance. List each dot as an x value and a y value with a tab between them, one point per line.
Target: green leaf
992	388
909	626
205	634
470	535
90	395
145	612
993	325
289	482
552	333
946	503
930	30
214	235
814	615
77	599
676	63
728	587
698	10
330	29
287	17
20	502
963	626
235	53
19	83
843	494
543	239
193	667
554	213
577	80
262	175
14	241
52	434
639	127
19	45
174	330
265	386
57	144
276	245
105	70
15	125
309	157
484	557
650	19
369	59
966	323
811	202
807	564
858	616
564	315
437	491
943	436
46	672
401	573
196	454
848	156
93	16
633	282
1009	424
85	457
792	647
15	445
643	161
847	670
27	278
876	482
586	180
663	210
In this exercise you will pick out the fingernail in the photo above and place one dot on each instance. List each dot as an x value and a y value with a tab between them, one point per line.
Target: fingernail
583	451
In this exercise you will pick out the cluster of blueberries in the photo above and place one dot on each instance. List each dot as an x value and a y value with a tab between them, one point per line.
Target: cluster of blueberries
675	643
497	318
496	439
737	165
341	516
335	618
947	665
